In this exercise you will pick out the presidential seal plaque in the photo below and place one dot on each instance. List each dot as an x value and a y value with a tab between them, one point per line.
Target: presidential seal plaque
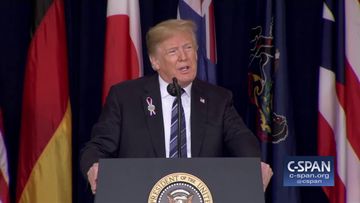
180	188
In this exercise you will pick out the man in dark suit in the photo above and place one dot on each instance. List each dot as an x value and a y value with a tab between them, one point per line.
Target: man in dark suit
138	117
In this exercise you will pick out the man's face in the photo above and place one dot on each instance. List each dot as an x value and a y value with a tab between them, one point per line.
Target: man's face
176	57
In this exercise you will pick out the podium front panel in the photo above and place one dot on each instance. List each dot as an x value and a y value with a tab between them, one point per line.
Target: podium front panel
142	180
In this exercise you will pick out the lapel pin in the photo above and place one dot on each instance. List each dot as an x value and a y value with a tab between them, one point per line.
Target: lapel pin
202	100
151	107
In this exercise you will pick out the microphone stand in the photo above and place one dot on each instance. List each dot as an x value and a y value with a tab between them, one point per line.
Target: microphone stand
178	96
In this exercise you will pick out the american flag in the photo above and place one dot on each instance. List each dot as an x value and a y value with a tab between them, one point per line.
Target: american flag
4	173
339	95
202	13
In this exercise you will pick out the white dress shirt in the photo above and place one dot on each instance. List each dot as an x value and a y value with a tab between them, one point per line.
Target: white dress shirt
167	101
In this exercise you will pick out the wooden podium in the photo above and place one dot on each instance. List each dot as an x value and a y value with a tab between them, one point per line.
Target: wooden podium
191	180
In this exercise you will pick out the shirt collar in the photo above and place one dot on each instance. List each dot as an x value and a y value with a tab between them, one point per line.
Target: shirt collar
164	92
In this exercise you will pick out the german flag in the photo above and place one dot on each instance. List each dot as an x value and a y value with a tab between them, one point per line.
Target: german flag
44	173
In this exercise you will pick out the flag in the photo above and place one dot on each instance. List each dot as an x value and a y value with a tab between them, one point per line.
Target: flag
45	163
123	52
202	14
270	95
4	173
339	97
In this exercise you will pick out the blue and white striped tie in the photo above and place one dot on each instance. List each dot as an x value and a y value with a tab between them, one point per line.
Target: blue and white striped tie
174	131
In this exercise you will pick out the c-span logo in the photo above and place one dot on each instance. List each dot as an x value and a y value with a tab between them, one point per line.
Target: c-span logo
180	188
309	171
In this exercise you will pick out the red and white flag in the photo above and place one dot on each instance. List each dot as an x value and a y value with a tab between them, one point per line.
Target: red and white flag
339	97
123	52
4	173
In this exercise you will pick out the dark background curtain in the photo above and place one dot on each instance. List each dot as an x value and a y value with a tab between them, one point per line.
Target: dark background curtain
86	21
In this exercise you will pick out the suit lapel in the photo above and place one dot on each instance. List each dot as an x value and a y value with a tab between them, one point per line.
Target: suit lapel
154	121
198	117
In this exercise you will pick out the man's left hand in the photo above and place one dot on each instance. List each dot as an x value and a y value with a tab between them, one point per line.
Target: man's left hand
266	173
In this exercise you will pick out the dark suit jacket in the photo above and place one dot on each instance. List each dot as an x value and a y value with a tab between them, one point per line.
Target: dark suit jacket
126	128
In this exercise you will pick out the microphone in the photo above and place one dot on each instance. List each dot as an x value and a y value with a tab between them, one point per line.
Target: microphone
174	89
171	88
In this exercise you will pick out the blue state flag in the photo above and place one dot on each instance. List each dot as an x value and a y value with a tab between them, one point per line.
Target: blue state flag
270	96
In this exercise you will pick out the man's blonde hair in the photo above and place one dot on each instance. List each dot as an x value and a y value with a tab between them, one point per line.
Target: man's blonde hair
167	29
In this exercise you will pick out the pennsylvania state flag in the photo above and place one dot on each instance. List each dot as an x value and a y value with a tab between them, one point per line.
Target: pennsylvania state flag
270	95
